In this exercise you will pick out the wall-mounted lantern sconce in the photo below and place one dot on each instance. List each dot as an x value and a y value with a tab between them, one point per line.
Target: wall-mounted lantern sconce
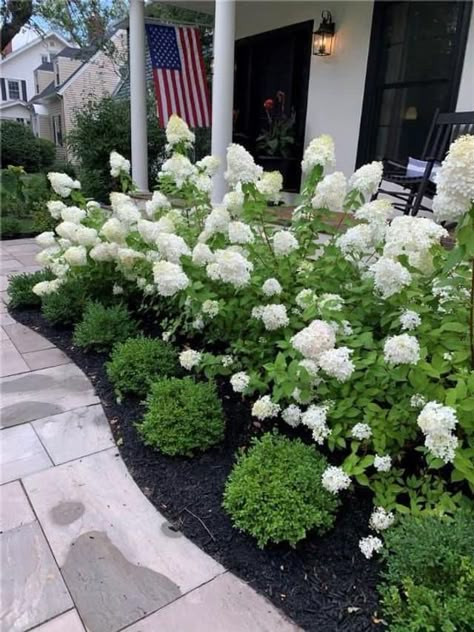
323	38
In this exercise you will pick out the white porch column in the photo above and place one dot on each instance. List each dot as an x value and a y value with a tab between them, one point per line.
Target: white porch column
222	88
138	95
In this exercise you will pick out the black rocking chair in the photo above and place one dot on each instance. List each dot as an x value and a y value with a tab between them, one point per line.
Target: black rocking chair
417	179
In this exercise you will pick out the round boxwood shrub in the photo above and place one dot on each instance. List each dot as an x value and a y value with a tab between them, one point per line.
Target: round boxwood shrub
182	417
101	327
20	288
274	491
66	305
137	362
429	574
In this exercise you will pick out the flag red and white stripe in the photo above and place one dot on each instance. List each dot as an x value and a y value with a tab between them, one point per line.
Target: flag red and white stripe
179	74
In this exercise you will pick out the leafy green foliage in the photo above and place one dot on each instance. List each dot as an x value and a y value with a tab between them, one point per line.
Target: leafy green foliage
66	305
101	327
9	227
20	288
183	417
274	492
429	577
20	147
137	362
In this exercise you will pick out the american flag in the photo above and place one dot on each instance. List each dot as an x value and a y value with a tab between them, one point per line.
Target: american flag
179	74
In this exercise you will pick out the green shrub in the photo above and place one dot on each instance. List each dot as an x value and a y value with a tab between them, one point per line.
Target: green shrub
20	288
101	327
66	305
429	576
10	227
42	220
137	362
274	491
183	416
63	166
19	146
47	154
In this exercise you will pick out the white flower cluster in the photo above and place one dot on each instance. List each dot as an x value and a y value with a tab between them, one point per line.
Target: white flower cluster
271	287
367	179
370	545
169	278
43	288
125	210
417	401
178	132
231	267
409	320
334	479
357	241
382	463
376	212
332	302
264	408
437	422
292	415
241	167
216	222
189	358
210	308
284	243
390	277
314	339
330	192
208	165
158	202
62	184
455	181
315	418
320	152
305	298
240	381
172	247
361	431
402	349
202	255
270	185
380	519
178	168
273	316
118	164
337	363
240	233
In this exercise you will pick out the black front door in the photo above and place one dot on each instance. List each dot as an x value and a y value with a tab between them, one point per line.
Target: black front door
415	63
273	65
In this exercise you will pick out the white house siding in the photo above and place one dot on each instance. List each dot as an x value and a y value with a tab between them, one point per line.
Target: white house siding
66	67
14	112
43	78
21	65
55	108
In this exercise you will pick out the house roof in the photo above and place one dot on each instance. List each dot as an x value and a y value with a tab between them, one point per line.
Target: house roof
71	52
46	65
10	104
46	92
37	40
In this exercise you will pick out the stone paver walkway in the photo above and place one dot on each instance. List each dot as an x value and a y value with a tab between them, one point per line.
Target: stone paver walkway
81	547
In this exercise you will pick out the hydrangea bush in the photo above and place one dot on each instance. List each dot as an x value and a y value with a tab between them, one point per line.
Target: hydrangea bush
363	338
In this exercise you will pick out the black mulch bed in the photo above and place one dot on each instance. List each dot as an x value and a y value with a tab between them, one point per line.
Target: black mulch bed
324	585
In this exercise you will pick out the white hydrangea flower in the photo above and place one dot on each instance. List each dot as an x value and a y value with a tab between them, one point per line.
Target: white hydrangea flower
402	349
43	288
62	184
390	277
178	168
210	308
177	131
320	151
59	269
284	243
274	316
333	302
209	165
46	239
337	363
240	233
45	257
315	418
189	359
148	231
330	192
271	287
380	519
410	320
417	401
361	431
158	202
437	422
172	247
92	205
117	290
233	201
76	256
334	479
239	381
292	415
357	241
73	214
314	339
118	164
241	166
169	278
270	185
382	463
375	212
311	367
230	267
85	236
114	230
346	328
264	408
367	179
370	545
202	255
67	230
216	222
166	336
55	208
124	209
455	181
104	252
129	256
305	298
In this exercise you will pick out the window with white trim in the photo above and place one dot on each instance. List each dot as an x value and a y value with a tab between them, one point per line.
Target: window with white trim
57	129
44	59
13	89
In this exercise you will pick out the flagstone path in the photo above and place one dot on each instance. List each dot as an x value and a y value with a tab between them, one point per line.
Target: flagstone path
81	547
